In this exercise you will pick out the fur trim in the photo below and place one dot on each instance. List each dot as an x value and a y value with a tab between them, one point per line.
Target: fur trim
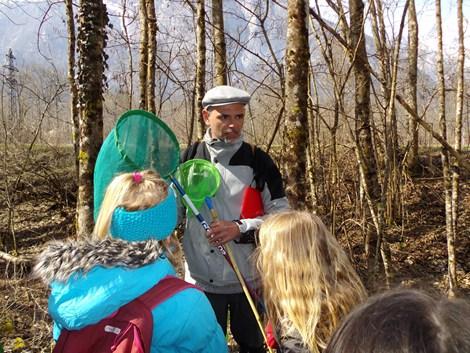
61	259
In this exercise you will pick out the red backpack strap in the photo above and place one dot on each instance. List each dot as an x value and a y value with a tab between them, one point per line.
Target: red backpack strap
166	288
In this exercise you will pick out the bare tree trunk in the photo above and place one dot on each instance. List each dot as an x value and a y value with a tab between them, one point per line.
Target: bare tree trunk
453	284
339	82
91	42
143	50
391	146
296	123
71	78
393	170
130	80
444	154
412	159
220	53
363	134
200	68
311	157
152	54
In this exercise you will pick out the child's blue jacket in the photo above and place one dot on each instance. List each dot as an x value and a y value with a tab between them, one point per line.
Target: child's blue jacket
183	323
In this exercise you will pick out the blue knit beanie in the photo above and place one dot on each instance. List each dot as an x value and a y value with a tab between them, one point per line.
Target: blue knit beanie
156	222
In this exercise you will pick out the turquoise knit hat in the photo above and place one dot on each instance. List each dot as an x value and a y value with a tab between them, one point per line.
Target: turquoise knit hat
156	222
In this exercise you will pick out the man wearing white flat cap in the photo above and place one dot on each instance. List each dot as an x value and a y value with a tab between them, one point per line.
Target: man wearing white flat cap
243	168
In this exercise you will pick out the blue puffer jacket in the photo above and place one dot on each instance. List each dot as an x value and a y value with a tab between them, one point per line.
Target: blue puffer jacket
83	293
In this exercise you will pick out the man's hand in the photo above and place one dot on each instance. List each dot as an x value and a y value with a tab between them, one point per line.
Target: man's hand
222	232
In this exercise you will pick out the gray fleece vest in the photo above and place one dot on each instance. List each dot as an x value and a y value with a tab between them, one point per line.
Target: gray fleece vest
235	164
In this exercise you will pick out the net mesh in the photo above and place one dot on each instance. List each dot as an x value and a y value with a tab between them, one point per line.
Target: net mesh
139	141
199	178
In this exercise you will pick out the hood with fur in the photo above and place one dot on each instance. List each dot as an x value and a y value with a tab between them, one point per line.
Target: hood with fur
62	259
90	280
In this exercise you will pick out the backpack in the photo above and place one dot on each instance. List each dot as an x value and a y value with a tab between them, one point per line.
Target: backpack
128	330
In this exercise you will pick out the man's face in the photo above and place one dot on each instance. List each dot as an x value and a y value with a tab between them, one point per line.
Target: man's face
225	121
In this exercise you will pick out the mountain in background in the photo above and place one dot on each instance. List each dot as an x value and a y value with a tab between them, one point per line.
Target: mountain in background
36	33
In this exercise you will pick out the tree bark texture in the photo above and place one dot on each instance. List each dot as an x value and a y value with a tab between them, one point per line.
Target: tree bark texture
130	79
74	113
363	133
200	68
411	92
296	123
220	51
91	43
458	147
143	51
444	153
152	54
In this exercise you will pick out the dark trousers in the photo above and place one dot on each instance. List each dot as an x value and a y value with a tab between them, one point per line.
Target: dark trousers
243	325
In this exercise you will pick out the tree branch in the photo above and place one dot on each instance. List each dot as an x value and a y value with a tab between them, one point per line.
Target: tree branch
463	162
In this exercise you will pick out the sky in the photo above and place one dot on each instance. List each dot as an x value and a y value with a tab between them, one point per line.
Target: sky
427	18
426	13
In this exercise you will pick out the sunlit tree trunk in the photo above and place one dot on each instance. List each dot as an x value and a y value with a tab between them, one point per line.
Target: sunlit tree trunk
130	80
453	284
143	51
91	42
200	67
391	186
412	160
363	135
391	162
71	79
296	124
152	54
311	166
220	55
444	152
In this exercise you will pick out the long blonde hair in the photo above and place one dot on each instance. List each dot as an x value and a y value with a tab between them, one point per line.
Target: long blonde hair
308	281
133	192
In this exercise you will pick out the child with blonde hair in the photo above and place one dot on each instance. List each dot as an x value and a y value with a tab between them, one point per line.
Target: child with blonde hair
128	254
309	284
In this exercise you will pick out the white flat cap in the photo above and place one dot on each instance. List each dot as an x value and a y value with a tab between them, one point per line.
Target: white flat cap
222	95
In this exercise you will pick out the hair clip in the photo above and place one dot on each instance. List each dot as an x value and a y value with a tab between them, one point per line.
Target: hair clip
137	177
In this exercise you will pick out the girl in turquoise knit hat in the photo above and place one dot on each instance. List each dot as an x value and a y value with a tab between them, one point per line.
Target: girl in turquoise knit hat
130	251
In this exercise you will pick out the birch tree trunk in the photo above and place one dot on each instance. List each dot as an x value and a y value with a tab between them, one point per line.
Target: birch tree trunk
152	54
220	54
444	154
296	123
453	284
143	51
92	19
71	78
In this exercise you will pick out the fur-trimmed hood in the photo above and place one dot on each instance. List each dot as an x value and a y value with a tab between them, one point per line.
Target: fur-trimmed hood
62	259
91	280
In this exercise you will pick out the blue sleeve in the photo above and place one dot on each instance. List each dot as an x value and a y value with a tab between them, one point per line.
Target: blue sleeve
186	323
202	333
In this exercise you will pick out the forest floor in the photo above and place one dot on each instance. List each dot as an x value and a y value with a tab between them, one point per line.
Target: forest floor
40	196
